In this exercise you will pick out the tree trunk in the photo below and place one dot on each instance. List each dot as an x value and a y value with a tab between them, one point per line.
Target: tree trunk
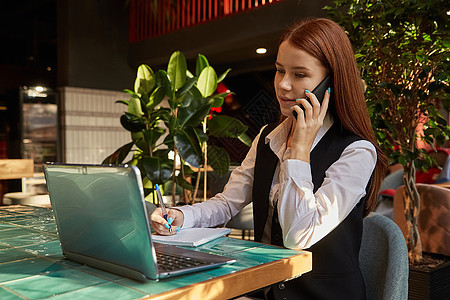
412	205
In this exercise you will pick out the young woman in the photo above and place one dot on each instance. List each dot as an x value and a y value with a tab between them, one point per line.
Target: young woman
312	178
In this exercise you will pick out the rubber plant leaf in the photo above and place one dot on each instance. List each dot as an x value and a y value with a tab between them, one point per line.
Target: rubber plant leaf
132	123
162	80
183	182
156	169
134	107
245	139
188	147
223	75
140	142
176	69
190	82
145	80
123	102
225	126
202	62
152	135
207	82
193	114
201	136
119	155
156	98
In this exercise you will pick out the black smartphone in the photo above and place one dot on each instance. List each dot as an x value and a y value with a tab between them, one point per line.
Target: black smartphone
319	90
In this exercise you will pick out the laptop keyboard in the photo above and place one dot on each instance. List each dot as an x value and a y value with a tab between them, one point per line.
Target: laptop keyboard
171	262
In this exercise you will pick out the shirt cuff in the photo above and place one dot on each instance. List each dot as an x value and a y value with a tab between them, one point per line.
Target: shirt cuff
294	168
188	216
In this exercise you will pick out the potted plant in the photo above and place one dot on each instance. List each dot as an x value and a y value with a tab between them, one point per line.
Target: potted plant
162	133
402	50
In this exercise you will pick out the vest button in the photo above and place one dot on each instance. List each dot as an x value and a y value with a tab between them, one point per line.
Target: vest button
275	220
281	286
277	237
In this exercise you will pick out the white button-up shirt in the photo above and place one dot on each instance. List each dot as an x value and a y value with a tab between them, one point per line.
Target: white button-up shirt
305	217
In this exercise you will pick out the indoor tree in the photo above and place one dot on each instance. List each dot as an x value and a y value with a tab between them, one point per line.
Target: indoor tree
402	48
162	134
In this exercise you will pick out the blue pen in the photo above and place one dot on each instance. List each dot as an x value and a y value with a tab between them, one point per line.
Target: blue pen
163	207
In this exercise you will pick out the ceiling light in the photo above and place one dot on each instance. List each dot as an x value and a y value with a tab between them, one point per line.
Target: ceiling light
261	50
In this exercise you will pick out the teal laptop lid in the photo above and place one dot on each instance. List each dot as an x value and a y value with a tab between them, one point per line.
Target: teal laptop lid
102	222
101	219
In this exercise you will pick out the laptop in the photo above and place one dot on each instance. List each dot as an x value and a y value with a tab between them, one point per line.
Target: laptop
102	222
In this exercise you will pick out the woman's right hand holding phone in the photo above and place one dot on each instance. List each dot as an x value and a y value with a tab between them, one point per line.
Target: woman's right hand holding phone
304	129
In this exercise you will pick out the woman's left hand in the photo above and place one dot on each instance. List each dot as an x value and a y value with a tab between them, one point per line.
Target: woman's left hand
308	123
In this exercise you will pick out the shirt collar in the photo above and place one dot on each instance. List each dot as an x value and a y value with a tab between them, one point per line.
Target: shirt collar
277	138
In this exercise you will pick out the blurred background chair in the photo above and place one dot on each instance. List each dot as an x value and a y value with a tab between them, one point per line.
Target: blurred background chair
383	259
243	220
390	183
34	190
434	216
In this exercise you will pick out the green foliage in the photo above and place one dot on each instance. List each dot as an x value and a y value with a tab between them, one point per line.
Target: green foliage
402	50
190	99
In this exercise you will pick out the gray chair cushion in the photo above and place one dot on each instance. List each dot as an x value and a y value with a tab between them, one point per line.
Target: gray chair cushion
243	220
383	259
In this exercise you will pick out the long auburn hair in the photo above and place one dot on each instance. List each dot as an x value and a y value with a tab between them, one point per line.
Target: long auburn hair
326	41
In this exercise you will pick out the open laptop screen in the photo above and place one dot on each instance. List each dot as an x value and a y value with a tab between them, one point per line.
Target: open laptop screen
100	215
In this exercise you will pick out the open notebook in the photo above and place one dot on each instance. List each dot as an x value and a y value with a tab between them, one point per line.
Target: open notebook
102	222
192	237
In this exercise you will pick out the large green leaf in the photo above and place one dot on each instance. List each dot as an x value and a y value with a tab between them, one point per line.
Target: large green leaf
183	183
176	70
134	107
160	113
201	136
162	80
194	117
168	141
223	75
244	138
188	147
119	155
202	62
132	123
140	142
131	93
152	135
190	82
193	114
157	169
218	159
217	100
207	82
225	126
163	154
145	80
156	98
123	102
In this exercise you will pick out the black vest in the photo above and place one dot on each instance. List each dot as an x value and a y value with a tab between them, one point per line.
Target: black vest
335	259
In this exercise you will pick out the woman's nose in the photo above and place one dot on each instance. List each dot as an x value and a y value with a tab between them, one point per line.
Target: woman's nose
285	83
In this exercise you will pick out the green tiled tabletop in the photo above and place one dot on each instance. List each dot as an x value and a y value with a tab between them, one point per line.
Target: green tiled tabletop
33	267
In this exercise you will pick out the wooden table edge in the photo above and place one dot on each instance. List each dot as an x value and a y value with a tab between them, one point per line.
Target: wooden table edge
255	278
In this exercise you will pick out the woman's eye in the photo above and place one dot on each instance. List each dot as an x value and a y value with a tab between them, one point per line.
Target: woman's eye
281	71
300	75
